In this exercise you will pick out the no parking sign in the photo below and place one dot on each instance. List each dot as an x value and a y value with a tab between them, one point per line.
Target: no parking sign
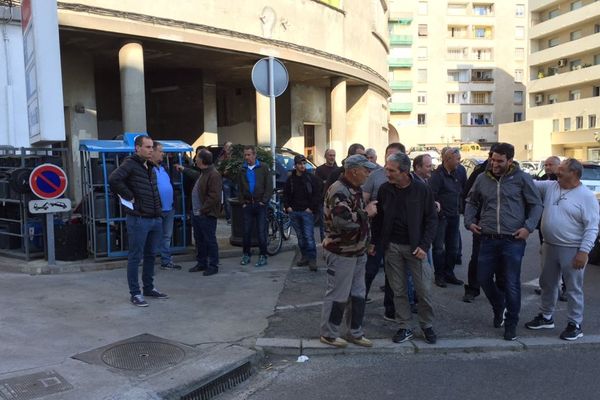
48	181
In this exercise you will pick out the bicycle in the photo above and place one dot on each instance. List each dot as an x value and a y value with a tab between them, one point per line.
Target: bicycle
279	226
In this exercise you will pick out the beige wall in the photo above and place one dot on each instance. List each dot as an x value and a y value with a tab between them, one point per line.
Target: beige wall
530	138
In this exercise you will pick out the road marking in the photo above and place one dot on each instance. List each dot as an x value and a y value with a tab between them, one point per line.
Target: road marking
296	306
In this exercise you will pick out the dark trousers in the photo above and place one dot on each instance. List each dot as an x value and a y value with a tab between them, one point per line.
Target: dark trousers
205	236
255	213
445	246
143	236
472	285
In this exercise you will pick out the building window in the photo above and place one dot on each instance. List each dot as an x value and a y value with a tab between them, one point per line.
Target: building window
519	32
479	33
520	10
421	97
553	42
457	9
576	5
579	122
552	98
574	94
481	97
575	35
597	59
518	75
519	53
421	119
553	13
575	64
422	53
597	28
596	91
423	9
453	98
517	117
555	125
422	29
592	121
422	75
518	97
482	54
456	53
482	9
567	124
453	75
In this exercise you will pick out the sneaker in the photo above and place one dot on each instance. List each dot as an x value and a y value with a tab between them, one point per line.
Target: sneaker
571	332
389	318
510	333
402	335
303	262
197	268
312	265
170	266
262	261
441	282
499	318
361	341
335	342
156	294
245	260
454	281
539	322
430	336
138	300
210	271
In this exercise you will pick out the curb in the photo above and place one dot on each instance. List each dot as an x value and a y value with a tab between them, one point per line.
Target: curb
313	347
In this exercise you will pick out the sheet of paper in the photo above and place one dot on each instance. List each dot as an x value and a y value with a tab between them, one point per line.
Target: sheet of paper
126	203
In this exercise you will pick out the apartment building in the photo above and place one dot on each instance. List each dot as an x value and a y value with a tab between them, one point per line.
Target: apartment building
457	69
563	82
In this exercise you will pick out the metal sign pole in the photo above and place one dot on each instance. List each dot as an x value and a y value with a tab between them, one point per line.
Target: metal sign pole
50	235
272	112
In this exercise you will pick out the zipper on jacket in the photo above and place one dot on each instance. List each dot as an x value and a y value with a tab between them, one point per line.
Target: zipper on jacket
498	205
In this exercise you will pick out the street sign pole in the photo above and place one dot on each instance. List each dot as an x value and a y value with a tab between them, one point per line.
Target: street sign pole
272	112
50	239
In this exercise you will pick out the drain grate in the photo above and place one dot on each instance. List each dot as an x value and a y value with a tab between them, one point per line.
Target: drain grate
221	384
32	386
141	356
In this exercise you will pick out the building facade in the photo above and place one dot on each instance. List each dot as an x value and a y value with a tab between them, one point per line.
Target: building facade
563	82
457	69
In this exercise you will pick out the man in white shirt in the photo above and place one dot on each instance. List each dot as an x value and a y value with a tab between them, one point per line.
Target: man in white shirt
570	227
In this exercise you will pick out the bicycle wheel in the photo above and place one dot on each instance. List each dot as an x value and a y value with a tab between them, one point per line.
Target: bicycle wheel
274	235
287	226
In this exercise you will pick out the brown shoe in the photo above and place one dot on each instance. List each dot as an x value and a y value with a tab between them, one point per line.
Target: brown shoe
335	342
361	341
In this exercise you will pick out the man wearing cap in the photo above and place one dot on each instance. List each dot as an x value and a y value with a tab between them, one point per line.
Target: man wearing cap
345	246
301	198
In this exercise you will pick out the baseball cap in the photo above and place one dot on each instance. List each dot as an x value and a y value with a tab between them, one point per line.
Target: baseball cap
358	160
299	158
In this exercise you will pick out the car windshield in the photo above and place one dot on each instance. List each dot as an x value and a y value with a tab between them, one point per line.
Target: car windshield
591	173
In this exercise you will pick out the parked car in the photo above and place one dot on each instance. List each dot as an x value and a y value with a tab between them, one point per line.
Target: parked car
470	164
591	177
436	159
533	168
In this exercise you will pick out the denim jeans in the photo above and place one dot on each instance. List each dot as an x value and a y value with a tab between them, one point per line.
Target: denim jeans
143	235
205	236
505	254
304	225
229	191
167	234
445	246
255	213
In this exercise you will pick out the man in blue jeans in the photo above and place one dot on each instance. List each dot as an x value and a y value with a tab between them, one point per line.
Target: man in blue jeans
165	189
301	198
510	208
135	182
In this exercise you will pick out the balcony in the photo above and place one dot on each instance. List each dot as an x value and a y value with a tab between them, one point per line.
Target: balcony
401	85
586	45
401	39
579	77
563	22
400	107
400	62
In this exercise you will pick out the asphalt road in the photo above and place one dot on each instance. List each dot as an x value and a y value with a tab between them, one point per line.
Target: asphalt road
546	374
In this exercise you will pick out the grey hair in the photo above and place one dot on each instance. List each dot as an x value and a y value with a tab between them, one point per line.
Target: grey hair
370	152
574	166
554	159
450	151
402	160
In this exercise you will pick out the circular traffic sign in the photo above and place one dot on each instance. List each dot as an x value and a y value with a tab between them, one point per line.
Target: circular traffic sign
48	181
260	77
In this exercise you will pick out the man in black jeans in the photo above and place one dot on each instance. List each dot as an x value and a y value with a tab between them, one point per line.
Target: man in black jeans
255	185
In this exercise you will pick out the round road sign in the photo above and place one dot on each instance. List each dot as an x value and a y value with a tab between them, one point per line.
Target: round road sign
260	77
48	181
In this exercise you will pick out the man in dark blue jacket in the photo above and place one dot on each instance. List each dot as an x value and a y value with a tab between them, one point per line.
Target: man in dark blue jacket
135	183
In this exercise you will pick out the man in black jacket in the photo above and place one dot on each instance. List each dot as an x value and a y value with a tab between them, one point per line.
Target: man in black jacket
135	183
405	226
301	197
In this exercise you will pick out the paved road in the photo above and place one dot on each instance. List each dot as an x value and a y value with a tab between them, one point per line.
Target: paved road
547	374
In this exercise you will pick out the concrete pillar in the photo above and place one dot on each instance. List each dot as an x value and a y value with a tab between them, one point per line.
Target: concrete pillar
209	105
338	117
133	95
263	121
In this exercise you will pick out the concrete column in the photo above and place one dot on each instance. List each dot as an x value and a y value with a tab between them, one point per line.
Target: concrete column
209	105
338	117
263	122
133	95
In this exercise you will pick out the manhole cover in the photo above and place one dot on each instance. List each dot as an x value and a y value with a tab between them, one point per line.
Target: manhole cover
138	356
31	386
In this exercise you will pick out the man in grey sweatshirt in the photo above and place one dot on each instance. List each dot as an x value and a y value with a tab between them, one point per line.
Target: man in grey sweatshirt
510	208
569	227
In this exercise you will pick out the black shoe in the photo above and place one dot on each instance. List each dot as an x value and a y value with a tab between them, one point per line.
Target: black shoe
454	281
138	300
170	266
539	322
413	309
312	265
402	335
197	268
303	262
499	318
210	271
571	332
441	282
469	297
156	294
430	336
382	288
368	300
538	291
510	332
